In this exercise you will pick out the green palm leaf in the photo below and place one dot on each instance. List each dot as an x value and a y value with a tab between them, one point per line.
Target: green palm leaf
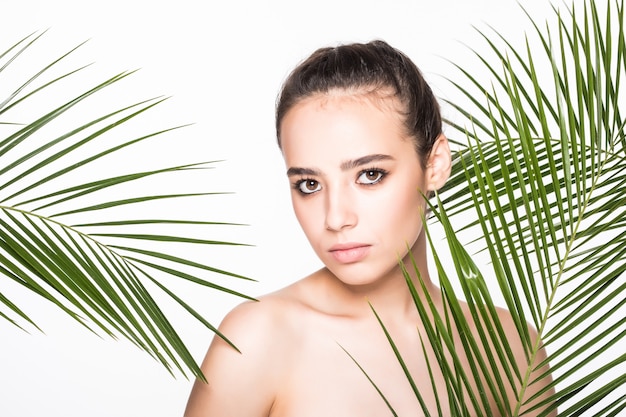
542	180
61	227
547	191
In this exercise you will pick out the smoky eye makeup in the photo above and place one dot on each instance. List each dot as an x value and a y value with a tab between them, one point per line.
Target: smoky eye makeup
371	176
367	177
306	186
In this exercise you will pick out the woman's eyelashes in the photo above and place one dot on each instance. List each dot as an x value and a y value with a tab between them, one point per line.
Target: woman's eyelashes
307	186
371	176
367	177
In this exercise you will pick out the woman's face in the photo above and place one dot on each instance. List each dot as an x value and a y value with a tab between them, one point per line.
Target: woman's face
356	182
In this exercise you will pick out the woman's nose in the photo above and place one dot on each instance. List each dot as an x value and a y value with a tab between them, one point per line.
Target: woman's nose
340	210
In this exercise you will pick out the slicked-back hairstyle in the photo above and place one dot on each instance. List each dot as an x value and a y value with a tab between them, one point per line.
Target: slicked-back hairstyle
367	68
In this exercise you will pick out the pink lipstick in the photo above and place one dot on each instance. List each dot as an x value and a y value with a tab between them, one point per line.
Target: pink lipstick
347	253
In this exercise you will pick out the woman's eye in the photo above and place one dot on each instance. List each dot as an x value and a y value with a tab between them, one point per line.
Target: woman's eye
309	186
370	176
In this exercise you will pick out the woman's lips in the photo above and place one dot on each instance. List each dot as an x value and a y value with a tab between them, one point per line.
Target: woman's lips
349	252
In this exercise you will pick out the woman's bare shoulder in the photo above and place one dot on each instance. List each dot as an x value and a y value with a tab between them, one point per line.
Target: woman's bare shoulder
252	322
244	373
254	326
506	320
516	329
522	338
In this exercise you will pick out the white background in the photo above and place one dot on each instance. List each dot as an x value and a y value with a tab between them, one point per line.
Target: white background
222	63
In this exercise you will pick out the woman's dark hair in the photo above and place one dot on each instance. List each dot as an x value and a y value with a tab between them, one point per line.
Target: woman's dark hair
373	67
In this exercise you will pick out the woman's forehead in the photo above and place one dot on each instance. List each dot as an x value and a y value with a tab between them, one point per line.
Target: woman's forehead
345	109
338	128
382	97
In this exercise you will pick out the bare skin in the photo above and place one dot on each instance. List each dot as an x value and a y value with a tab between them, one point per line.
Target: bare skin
292	361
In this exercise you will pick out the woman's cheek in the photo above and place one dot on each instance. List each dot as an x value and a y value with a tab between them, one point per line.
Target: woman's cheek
307	214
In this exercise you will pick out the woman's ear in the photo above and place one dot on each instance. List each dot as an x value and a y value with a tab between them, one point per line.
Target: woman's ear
439	164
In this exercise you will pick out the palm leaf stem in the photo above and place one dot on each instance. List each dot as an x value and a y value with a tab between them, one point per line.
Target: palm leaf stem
382	395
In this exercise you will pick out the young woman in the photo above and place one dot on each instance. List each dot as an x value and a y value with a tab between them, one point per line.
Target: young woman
361	136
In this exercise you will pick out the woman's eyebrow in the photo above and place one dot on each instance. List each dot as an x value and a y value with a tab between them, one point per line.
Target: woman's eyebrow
345	166
302	171
365	160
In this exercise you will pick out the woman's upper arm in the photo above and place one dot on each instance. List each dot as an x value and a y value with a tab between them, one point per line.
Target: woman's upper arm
238	383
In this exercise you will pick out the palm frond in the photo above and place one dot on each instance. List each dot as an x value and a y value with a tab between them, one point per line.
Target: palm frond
61	223
540	189
547	188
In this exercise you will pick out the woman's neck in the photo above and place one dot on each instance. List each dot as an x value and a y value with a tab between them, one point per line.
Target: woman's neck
389	296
